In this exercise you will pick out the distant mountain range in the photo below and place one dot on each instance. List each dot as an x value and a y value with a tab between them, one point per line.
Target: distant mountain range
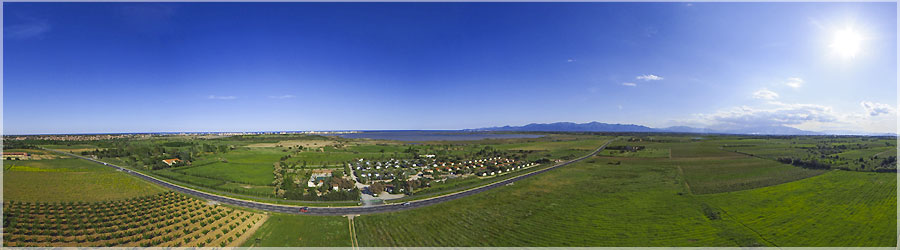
606	127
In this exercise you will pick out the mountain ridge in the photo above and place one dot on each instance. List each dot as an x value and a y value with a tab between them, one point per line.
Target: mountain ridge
617	127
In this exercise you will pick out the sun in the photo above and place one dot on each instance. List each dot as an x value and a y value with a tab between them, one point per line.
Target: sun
846	43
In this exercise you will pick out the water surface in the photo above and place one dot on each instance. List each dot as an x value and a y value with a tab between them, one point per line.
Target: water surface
433	135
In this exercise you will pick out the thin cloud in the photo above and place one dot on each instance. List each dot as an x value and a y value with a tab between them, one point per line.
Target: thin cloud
570	60
282	97
650	31
649	77
878	117
217	97
765	94
29	29
629	84
876	109
794	82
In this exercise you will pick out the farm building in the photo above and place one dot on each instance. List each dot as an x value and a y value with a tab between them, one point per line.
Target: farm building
16	155
171	161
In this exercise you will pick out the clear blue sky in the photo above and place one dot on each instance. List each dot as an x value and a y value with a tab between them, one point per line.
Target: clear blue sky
147	67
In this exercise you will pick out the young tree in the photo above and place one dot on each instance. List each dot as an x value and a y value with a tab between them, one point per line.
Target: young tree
377	188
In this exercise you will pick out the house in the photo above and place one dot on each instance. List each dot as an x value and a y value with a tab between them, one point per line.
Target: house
172	161
17	155
318	177
335	186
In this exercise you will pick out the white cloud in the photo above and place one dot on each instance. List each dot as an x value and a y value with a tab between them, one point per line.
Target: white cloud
765	94
649	77
875	109
570	60
282	97
794	82
216	97
781	114
629	84
877	118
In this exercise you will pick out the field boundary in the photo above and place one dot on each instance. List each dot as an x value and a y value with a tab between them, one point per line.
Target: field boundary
745	226
685	181
696	200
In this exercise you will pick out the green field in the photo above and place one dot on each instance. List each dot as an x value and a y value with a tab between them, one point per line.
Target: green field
586	204
705	195
839	208
645	153
638	204
63	180
711	190
282	230
242	166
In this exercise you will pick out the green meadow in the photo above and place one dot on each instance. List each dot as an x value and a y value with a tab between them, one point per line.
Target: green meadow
282	230
839	208
69	179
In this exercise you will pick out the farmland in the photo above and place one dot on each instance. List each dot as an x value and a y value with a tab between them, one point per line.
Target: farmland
704	195
164	219
839	208
644	190
639	203
307	231
245	165
68	180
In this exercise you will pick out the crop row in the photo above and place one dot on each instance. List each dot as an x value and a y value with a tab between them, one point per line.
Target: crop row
177	221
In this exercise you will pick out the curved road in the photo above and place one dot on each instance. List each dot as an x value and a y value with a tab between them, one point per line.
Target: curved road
335	210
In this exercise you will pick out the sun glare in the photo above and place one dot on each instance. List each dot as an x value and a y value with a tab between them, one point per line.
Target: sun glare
846	43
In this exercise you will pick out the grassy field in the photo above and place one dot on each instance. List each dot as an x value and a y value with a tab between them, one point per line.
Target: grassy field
645	153
840	208
638	203
63	180
737	172
283	230
710	169
586	204
242	166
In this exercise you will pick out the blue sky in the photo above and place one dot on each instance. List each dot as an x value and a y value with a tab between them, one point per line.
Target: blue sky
155	67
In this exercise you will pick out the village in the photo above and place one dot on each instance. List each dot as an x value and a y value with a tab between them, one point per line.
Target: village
401	176
387	179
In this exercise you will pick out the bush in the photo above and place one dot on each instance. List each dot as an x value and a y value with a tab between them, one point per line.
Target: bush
710	213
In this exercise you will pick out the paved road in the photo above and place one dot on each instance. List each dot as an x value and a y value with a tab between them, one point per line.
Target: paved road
335	210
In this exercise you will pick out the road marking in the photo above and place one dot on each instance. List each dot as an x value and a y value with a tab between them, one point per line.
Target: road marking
354	243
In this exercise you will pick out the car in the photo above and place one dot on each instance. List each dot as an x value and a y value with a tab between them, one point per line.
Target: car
304	209
405	204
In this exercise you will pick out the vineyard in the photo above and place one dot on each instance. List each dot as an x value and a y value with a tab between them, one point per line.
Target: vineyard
167	219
